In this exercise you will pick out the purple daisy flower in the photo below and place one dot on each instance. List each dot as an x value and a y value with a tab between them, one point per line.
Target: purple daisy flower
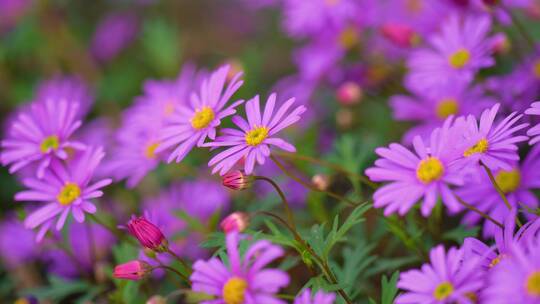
320	297
490	143
431	108
256	135
69	88
517	183
534	132
517	278
244	280
457	52
304	18
113	34
448	279
65	189
17	245
424	175
41	133
192	123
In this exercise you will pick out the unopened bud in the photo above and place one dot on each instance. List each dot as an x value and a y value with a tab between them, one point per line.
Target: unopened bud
237	180
148	234
236	221
501	44
157	300
349	93
400	34
320	181
133	270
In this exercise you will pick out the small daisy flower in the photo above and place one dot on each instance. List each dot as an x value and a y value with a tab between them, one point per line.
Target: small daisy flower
490	143
431	108
534	132
40	134
256	136
244	280
448	279
320	297
70	88
517	278
64	189
518	183
192	123
424	175
457	52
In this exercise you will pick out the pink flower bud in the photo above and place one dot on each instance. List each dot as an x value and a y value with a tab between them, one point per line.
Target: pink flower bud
320	181
400	34
236	221
148	234
349	93
501	43
237	180
133	270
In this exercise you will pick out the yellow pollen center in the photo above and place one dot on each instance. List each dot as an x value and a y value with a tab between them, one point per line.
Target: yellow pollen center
51	142
447	107
496	261
348	38
443	291
234	290
459	58
480	147
21	301
202	118
429	170
150	150
536	69
508	181
533	284
68	194
256	136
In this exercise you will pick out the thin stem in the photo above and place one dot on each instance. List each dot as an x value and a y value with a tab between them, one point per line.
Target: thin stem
286	205
330	165
322	264
309	186
175	271
482	214
499	190
178	258
115	231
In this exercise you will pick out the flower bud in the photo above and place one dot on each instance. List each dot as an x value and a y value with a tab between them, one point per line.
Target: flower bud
236	221
400	34
349	93
133	270
148	234
237	180
320	181
157	300
500	44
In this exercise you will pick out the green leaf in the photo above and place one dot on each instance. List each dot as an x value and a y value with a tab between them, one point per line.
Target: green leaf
161	41
389	288
461	232
338	234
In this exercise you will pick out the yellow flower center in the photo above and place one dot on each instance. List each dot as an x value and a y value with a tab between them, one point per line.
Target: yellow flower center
447	107
480	147
508	181
202	118
429	170
471	296
348	38
256	136
443	291
48	143
496	261
150	151
536	69
234	290
68	194
459	58
414	6
21	301
533	284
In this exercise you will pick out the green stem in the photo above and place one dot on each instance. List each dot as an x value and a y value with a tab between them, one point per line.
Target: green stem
330	165
115	231
309	186
482	214
286	205
186	280
179	259
499	190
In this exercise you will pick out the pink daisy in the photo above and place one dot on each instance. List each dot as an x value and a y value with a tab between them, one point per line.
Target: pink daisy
64	189
41	133
192	123
534	132
255	136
